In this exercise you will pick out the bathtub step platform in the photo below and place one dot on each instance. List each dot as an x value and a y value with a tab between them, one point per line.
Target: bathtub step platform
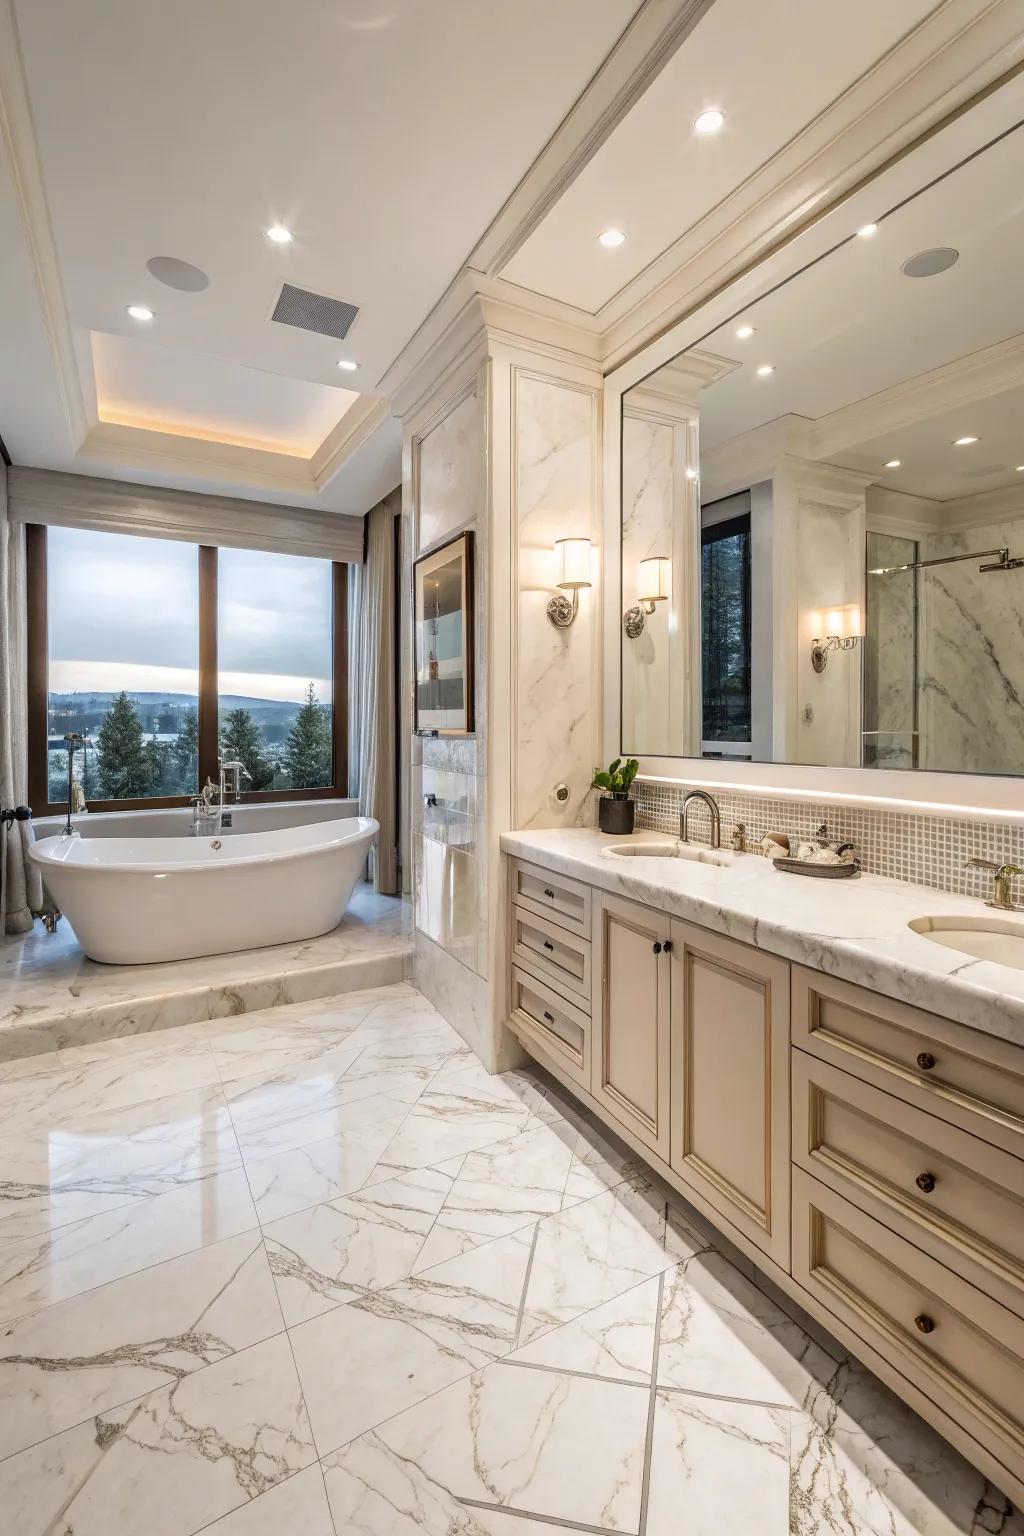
52	997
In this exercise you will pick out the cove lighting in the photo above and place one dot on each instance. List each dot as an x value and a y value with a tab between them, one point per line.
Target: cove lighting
964	442
744	332
279	234
610	238
866	231
140	312
709	122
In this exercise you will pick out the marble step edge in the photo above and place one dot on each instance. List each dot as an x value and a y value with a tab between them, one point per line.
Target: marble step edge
43	1033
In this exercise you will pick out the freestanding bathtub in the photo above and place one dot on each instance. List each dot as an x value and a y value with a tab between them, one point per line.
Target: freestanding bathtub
137	898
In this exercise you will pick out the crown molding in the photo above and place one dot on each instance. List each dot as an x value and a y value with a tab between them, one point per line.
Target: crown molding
959	53
196	458
356	427
17	130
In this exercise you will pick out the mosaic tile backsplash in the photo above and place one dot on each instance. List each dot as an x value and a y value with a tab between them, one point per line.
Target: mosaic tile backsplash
924	849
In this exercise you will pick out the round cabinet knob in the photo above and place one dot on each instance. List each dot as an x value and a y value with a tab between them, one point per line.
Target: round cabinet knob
925	1182
926	1061
924	1324
548	945
667	946
656	947
549	894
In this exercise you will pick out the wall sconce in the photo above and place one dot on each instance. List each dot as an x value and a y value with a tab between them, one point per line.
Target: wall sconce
655	576
842	629
574	564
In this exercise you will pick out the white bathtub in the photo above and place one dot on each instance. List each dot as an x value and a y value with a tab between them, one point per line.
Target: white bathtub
134	897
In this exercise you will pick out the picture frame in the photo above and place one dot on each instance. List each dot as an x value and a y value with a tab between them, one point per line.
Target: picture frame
443	639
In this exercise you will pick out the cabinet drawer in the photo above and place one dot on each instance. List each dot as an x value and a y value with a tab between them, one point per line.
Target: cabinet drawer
564	901
556	1025
952	1194
557	954
973	1080
957	1345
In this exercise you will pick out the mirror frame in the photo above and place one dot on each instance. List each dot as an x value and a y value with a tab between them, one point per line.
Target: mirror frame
994	797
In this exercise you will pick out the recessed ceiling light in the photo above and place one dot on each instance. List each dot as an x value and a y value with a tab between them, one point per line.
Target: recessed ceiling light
866	231
348	365
1020	469
893	463
744	332
140	312
765	369
691	474
279	234
709	122
609	238
963	442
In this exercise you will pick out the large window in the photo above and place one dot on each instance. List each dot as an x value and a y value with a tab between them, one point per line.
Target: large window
725	631
167	657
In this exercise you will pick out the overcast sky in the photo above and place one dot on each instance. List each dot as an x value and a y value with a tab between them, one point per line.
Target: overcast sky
124	613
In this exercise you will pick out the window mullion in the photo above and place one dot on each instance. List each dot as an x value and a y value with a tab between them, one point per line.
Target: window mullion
209	751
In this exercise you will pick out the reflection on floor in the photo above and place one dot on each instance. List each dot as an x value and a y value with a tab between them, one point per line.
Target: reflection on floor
51	996
313	1271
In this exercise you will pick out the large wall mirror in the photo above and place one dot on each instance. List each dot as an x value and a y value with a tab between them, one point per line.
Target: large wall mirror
823	504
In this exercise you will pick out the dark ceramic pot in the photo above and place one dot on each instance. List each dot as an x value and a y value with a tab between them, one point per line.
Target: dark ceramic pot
615	813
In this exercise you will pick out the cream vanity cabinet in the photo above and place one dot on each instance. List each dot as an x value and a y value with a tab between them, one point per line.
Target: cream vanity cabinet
870	1153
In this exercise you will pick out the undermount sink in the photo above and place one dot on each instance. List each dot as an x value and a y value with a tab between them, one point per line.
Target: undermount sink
984	938
641	848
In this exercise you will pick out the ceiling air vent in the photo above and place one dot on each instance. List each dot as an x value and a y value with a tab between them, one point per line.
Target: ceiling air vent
314	312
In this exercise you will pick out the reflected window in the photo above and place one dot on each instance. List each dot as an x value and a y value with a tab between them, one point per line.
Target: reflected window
725	630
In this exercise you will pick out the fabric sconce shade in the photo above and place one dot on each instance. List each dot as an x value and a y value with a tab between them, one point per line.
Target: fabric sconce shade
573	556
655	575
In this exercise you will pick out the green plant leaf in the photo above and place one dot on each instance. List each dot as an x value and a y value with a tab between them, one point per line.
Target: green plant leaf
601	781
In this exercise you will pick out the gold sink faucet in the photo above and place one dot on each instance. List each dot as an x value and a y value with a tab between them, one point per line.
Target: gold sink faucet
1002	894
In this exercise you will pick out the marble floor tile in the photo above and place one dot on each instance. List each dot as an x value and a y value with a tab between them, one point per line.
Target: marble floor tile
863	1462
363	1242
463	1113
597	1250
500	1189
374	1491
81	1357
614	1340
296	1507
406	1343
265	1043
323	1170
721	1334
97	1161
171	1462
533	1442
599	1163
725	1464
37	1272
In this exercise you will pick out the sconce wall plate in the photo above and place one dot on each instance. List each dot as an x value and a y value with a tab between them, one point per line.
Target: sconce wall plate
821	648
633	622
560	611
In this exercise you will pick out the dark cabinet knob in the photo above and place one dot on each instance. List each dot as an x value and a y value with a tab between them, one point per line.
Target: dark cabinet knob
657	947
926	1061
549	894
549	1016
667	946
925	1182
923	1323
548	945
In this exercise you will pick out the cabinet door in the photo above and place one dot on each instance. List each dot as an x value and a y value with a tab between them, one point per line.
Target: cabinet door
730	1082
630	1060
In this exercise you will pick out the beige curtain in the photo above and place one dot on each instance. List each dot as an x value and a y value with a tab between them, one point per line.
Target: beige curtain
21	891
372	688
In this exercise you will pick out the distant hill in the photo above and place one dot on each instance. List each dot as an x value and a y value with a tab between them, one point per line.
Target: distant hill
94	699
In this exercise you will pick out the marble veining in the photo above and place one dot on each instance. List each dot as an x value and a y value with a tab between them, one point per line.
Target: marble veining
452	1306
854	929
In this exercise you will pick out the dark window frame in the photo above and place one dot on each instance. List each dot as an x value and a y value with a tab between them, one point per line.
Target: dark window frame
38	691
728	528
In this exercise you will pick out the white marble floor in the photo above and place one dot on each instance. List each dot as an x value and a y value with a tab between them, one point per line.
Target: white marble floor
312	1271
52	996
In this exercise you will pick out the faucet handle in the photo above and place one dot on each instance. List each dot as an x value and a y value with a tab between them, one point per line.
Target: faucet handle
1002	897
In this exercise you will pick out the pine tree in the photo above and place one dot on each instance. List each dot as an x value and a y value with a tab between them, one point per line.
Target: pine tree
185	752
125	768
307	750
240	739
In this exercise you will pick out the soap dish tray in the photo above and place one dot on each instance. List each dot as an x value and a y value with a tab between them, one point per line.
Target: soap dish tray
817	871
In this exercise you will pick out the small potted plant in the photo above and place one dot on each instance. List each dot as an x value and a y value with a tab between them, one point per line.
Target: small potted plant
616	810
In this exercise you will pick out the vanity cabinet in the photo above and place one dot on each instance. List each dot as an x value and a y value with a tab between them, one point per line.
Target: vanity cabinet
632	1011
730	1082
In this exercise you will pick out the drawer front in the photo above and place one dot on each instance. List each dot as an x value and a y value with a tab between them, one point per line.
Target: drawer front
955	1196
957	1345
556	1025
973	1080
560	956
566	902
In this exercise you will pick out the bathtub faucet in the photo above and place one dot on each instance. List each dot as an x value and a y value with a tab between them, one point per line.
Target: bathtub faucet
237	772
72	739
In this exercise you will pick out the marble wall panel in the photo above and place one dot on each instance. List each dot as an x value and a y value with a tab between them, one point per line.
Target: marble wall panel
451	487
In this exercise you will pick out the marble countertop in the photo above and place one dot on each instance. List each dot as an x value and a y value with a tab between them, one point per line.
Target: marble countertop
853	929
